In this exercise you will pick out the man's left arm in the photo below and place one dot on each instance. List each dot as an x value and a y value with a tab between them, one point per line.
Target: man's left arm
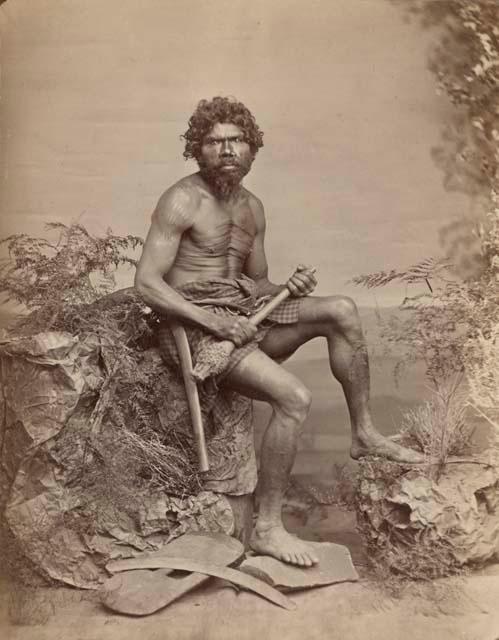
301	283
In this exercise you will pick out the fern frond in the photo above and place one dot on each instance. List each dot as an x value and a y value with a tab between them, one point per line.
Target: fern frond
421	272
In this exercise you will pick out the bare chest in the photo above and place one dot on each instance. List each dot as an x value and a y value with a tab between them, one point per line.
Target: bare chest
223	230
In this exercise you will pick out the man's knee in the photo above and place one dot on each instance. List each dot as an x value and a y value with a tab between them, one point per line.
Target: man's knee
342	310
294	401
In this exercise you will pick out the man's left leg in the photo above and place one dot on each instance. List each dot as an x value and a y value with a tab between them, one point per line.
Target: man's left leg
336	318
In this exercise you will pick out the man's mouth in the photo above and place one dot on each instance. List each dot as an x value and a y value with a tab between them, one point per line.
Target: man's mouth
229	168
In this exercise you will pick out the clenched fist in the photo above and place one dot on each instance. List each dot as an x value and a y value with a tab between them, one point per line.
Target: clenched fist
302	282
238	330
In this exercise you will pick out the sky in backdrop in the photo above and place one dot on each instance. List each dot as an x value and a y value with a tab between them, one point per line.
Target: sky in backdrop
96	94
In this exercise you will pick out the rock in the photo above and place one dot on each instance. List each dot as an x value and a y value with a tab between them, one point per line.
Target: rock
70	494
424	527
335	565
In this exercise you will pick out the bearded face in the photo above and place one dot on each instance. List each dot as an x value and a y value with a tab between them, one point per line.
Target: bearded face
225	159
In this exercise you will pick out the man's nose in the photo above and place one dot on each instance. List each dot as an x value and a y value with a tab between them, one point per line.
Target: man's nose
227	148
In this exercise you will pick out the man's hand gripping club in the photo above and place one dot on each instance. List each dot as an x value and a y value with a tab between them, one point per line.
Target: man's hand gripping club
241	330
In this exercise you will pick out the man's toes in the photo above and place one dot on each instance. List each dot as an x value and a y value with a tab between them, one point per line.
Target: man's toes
311	559
302	561
287	557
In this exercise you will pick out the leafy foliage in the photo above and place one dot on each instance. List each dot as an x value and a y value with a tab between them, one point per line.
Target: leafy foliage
465	61
135	445
440	326
68	285
421	272
53	279
453	326
439	427
483	379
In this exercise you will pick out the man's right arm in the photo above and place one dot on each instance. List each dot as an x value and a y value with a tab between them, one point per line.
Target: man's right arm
173	215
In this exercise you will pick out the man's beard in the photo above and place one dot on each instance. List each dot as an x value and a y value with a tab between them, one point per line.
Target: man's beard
225	183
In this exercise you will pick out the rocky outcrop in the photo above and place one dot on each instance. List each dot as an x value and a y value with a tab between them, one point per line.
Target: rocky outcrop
75	492
422	527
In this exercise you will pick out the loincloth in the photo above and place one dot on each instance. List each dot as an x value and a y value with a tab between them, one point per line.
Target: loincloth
226	297
227	415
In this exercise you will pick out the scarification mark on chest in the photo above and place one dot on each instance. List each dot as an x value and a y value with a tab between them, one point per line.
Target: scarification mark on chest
227	238
228	242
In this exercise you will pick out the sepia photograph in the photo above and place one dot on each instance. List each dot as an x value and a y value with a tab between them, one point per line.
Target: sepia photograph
249	321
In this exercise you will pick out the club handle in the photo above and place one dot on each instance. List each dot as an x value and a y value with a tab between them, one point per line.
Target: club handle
260	315
191	391
267	309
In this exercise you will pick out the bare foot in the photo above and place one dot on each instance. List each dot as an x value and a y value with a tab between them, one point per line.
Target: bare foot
277	542
375	444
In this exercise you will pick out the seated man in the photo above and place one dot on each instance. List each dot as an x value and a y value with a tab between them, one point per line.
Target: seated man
208	226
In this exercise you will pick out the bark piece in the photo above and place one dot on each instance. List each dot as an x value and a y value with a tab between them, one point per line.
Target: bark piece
142	592
335	565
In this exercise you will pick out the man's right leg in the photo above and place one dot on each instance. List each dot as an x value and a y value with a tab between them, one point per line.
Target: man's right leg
260	378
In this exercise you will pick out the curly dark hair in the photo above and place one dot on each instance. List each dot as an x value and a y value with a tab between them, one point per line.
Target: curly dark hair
208	113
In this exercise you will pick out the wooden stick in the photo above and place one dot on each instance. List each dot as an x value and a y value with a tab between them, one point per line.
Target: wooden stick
260	315
267	309
191	391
